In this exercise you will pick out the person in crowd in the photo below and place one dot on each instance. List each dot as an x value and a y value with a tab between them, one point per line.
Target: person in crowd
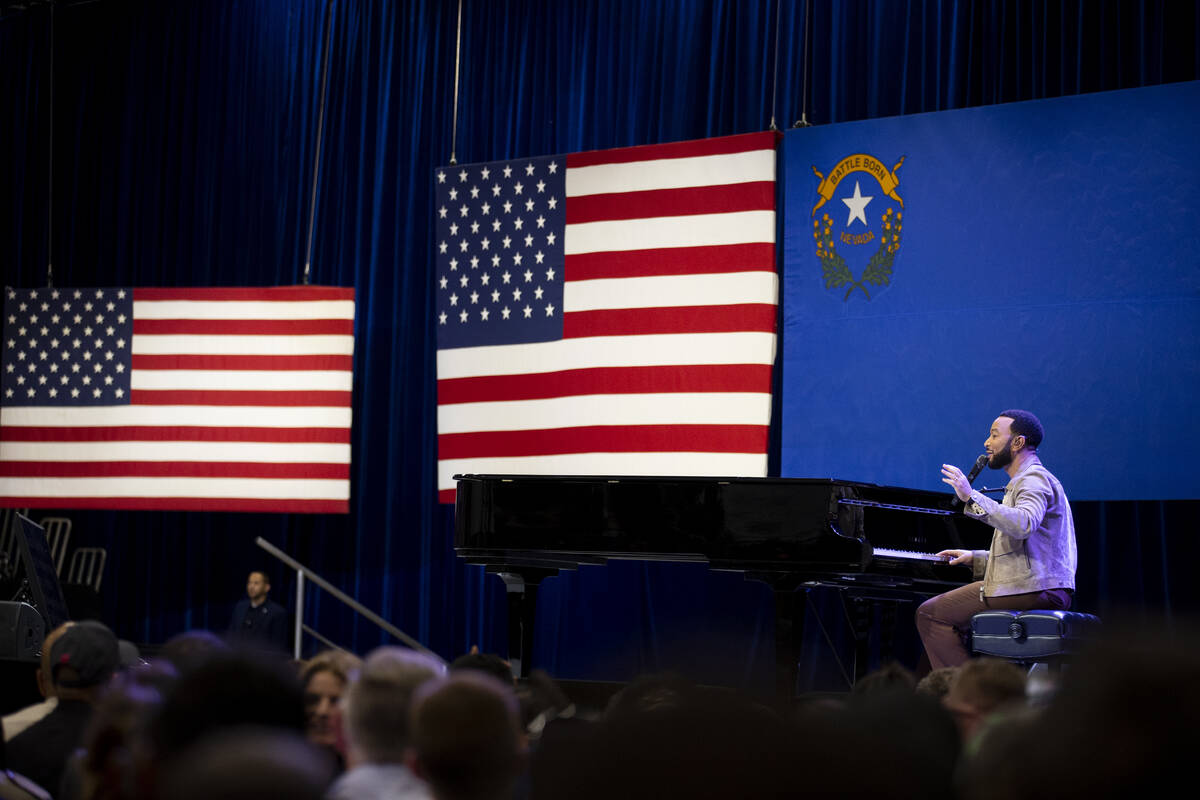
651	692
937	683
1032	559
912	739
258	621
663	736
248	764
539	699
19	720
230	690
891	677
129	655
544	705
189	650
325	678
15	786
1122	723
115	738
466	736
376	717
983	687
490	663
82	659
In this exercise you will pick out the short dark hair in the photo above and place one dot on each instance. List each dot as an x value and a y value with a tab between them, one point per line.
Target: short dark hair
228	690
1027	425
489	663
190	650
466	735
245	763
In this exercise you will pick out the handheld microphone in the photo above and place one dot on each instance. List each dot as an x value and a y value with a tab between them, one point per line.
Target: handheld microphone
980	463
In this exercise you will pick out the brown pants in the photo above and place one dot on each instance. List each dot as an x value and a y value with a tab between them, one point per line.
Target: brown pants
944	620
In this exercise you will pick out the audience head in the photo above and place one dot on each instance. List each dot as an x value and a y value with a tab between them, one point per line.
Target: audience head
324	678
647	693
248	764
663	736
890	677
488	663
912	741
543	701
129	655
230	689
400	662
983	686
44	681
115	740
377	703
82	659
189	650
466	737
937	683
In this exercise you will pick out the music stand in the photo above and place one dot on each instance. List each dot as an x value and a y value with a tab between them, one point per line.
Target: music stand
40	574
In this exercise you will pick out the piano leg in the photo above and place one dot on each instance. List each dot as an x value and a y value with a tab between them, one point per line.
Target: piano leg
522	589
861	616
887	631
790	608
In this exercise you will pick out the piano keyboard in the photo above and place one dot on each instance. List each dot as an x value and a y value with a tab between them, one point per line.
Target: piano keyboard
909	555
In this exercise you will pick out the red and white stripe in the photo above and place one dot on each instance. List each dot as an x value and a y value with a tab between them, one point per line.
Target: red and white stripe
669	304
240	401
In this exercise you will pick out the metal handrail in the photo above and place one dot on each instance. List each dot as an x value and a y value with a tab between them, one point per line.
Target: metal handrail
325	640
302	573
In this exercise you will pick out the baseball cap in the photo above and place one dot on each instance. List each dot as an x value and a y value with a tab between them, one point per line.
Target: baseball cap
90	650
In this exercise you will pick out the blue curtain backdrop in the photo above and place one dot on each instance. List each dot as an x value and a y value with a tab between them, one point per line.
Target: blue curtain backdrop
183	142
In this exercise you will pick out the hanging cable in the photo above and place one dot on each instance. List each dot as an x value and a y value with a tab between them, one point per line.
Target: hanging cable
803	121
775	79
316	170
50	169
454	118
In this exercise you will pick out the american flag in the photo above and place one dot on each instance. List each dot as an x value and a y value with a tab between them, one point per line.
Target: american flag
194	399
608	312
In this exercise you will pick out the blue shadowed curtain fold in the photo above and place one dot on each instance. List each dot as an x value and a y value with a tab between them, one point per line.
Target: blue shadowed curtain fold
184	138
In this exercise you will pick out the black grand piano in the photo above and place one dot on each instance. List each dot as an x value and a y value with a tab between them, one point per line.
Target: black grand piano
876	543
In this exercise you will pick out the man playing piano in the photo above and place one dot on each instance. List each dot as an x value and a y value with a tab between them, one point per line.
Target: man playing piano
1031	562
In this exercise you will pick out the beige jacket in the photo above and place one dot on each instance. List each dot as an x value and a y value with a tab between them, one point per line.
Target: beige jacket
1033	545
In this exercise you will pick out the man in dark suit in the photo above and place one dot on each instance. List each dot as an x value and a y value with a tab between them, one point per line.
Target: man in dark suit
258	621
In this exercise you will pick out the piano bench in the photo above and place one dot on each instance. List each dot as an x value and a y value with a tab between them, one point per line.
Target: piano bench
1031	636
